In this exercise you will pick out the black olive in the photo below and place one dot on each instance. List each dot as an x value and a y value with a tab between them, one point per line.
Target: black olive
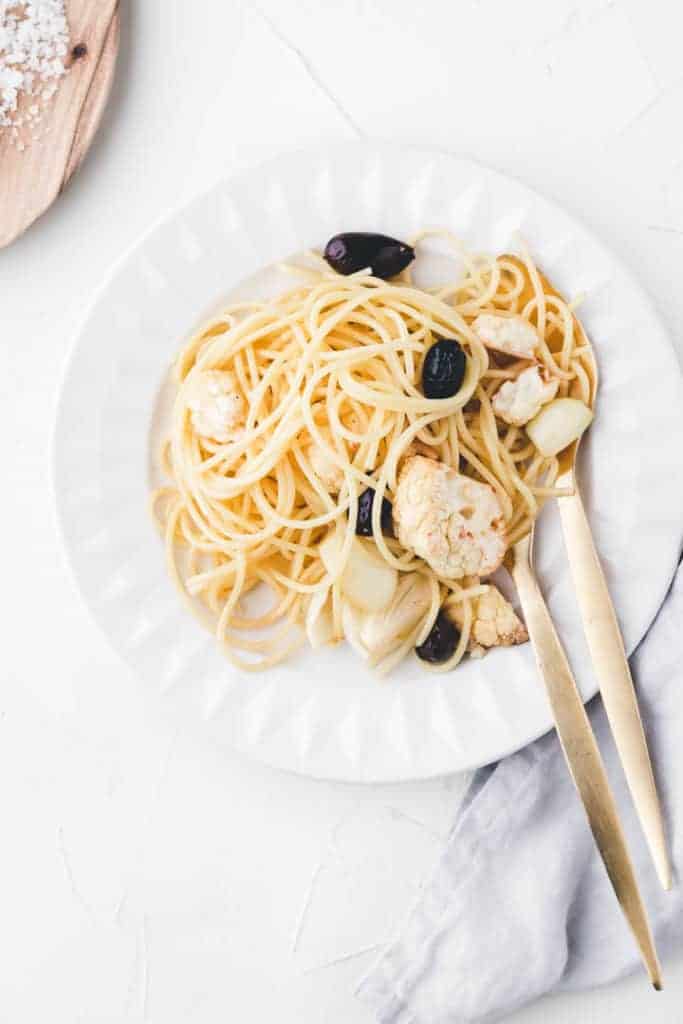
364	520
441	642
443	370
356	250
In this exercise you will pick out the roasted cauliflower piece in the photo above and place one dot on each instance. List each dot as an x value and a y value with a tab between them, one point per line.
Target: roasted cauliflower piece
453	522
518	401
217	406
511	335
495	622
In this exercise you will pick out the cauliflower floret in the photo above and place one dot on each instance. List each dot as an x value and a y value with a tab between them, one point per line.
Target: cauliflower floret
518	401
494	622
329	473
217	407
453	522
512	335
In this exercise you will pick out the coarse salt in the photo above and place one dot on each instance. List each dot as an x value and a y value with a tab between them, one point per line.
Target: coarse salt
34	39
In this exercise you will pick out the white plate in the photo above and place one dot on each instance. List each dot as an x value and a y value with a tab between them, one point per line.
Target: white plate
324	714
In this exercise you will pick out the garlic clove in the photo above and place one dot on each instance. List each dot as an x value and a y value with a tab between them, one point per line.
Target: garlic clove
366	580
558	424
319	620
382	631
352	621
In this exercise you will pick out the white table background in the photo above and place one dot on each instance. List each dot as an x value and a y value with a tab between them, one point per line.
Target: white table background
144	875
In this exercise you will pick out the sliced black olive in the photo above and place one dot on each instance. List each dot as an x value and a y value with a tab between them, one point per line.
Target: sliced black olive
364	520
356	250
443	370
441	642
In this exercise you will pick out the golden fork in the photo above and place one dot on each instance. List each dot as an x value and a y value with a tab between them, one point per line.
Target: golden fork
602	630
573	727
582	753
607	652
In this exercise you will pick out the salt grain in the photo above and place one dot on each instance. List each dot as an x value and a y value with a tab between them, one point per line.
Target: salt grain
34	36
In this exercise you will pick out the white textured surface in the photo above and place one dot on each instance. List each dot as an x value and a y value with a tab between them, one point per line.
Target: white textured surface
326	714
146	876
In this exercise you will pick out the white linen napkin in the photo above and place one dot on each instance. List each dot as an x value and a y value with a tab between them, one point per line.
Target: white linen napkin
520	903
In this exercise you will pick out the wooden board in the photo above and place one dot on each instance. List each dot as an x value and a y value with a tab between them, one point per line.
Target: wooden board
30	180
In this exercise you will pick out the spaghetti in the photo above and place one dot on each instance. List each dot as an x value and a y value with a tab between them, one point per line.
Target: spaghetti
328	405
